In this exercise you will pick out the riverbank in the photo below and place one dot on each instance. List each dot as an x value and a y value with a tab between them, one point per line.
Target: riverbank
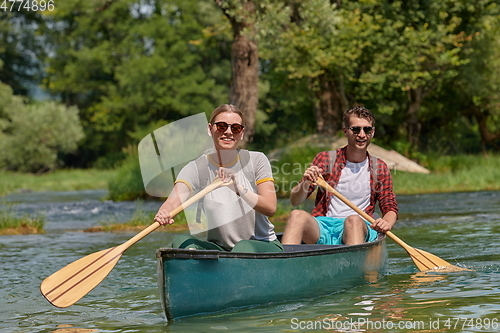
58	180
466	173
11	224
463	173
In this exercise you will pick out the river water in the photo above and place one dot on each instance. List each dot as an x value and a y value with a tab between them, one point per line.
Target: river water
461	228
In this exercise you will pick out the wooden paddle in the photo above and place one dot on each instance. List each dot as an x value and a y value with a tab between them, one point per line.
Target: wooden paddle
69	284
423	260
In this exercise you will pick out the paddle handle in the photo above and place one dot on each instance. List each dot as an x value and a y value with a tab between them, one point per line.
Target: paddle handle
215	184
321	182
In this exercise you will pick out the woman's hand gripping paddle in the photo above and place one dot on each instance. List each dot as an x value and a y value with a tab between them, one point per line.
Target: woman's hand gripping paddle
69	284
423	260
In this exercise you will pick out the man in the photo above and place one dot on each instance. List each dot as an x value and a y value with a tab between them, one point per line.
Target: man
362	179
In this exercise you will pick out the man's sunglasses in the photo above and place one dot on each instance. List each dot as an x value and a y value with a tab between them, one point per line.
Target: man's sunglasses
222	127
367	129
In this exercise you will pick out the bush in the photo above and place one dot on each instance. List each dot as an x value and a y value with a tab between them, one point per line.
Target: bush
127	183
289	168
32	136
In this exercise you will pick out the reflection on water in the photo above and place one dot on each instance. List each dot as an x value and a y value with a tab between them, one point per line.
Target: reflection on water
461	228
72	329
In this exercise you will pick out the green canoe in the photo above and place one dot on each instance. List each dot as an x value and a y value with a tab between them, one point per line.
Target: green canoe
203	281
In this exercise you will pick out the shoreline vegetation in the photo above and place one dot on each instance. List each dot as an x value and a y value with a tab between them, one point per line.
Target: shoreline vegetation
463	173
10	224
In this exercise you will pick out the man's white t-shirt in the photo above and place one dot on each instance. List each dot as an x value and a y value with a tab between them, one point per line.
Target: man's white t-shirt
354	184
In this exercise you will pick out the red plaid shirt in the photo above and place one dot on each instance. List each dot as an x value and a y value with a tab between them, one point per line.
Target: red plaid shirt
381	188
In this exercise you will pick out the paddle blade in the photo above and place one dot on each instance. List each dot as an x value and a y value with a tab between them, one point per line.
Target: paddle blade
426	261
69	284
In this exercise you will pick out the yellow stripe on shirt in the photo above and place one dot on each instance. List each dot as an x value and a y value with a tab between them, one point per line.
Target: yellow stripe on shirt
263	180
185	183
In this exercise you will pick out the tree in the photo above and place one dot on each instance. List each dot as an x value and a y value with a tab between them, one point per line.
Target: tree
32	136
244	59
320	42
388	55
417	49
476	91
127	64
19	49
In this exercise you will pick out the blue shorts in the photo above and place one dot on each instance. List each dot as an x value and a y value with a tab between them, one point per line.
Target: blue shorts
331	230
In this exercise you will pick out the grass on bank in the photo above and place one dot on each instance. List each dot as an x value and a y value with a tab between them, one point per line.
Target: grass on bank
59	180
448	174
463	173
11	224
139	220
459	173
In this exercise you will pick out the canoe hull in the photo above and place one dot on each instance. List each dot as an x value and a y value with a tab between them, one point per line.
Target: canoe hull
193	282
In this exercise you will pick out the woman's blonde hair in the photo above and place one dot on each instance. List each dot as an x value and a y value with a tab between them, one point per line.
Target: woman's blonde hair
227	108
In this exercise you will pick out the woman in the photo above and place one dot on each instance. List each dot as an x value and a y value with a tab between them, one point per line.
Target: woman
237	214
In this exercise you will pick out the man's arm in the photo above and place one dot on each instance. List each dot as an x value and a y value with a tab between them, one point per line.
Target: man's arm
387	202
301	191
386	223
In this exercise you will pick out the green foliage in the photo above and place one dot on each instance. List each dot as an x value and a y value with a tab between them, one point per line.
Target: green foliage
477	91
10	220
19	68
441	164
126	64
290	166
452	174
127	183
9	103
448	173
58	180
421	62
395	57
416	45
32	136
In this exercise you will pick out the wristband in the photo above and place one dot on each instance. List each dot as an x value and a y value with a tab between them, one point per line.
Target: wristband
240	194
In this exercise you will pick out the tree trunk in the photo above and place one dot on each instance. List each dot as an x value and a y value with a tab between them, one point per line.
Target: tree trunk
330	105
244	63
487	137
245	77
413	125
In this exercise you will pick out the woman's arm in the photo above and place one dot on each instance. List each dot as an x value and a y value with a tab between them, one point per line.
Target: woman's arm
179	194
264	201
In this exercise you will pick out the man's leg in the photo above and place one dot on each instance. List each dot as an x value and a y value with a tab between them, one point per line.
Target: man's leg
300	227
355	230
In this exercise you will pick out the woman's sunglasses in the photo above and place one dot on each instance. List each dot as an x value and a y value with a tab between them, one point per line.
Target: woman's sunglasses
222	127
367	129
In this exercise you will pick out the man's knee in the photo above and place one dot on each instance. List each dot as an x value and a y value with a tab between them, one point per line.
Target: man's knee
298	217
354	222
